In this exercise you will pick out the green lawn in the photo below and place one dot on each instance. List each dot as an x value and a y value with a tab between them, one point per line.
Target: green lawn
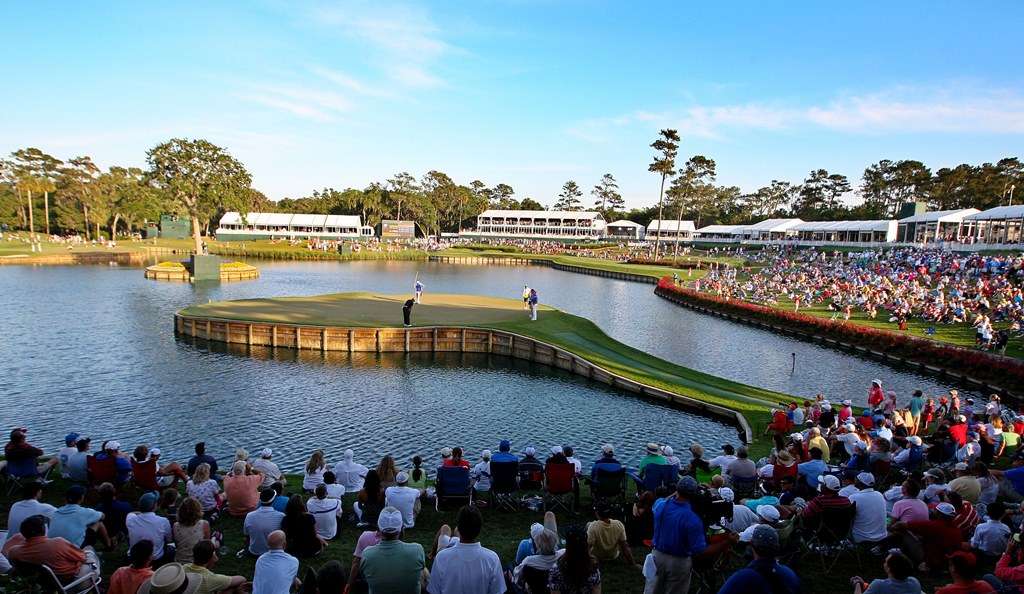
573	333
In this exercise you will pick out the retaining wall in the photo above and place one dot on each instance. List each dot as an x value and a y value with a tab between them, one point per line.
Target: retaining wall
516	261
435	339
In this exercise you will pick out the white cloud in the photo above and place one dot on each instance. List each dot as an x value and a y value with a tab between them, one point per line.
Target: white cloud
349	82
312	104
404	41
901	110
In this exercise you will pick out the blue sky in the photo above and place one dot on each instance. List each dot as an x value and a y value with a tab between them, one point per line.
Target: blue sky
529	93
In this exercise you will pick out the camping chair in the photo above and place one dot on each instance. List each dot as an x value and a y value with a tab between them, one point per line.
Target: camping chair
558	486
744	488
24	471
536	580
831	537
44	576
609	487
658	475
101	471
144	475
452	483
504	484
883	471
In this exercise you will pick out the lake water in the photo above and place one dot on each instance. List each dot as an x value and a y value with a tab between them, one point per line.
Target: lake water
92	349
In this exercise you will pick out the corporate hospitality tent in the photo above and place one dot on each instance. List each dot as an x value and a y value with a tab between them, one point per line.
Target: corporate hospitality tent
847	231
623	229
670	230
1002	224
234	226
938	225
541	224
771	229
727	232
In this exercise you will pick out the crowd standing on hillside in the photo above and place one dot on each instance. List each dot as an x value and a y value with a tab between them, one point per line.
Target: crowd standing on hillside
927	485
934	286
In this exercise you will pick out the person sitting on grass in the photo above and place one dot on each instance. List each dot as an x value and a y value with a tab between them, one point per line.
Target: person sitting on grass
481	473
929	542
204	555
167	475
764	575
19	452
315	467
576	571
418	476
541	562
189	529
331	579
404	498
528	546
468	566
28	506
76	524
393	565
276	570
146	525
350	474
990	537
65	559
326	512
606	537
899	579
300	528
334	490
269	468
242	490
114	510
260	523
202	457
204	488
370	500
128	579
963	568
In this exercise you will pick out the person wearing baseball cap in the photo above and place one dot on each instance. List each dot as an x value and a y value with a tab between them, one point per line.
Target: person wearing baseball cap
869	520
403	498
481	473
742	516
963	568
606	463
65	453
531	470
764	543
392	565
828	500
111	450
937	537
266	465
678	536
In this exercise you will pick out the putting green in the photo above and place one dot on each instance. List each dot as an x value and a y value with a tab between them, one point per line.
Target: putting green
555	327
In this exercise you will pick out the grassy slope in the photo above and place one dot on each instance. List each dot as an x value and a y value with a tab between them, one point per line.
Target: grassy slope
570	332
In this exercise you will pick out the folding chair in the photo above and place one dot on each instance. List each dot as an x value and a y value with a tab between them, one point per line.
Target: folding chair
609	487
658	475
831	538
452	484
743	488
144	475
44	576
558	486
536	580
24	471
101	470
504	485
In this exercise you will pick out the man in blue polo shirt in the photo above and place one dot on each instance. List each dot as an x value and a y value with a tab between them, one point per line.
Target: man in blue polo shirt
504	453
813	468
764	574
607	461
73	522
678	536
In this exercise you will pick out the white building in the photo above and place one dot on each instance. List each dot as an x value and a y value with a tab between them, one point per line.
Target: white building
771	230
936	226
720	233
827	232
625	230
999	225
670	230
234	226
539	224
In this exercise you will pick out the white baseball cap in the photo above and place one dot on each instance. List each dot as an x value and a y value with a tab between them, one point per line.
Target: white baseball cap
727	494
768	512
866	478
266	453
389	521
828	481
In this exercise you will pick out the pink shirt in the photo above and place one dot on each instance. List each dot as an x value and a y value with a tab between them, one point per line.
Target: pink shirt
909	510
366	539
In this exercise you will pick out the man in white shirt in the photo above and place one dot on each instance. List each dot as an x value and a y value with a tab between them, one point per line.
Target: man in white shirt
65	453
404	498
869	521
146	525
78	463
742	516
271	473
849	438
275	570
326	512
334	490
28	506
723	461
468	567
935	485
481	473
260	522
350	474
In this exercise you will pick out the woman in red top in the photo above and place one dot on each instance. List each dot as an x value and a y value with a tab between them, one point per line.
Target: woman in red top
875	394
456	459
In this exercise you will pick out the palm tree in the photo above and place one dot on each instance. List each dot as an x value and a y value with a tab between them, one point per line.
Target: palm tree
664	163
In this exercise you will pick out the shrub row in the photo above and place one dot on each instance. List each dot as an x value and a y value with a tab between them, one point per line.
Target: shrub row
1002	371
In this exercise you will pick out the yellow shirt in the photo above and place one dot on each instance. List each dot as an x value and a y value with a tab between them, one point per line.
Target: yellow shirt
605	539
820	443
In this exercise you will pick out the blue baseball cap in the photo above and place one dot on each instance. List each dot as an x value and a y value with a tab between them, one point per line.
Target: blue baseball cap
71	438
505	445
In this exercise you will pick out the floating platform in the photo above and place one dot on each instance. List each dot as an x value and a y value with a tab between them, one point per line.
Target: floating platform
176	271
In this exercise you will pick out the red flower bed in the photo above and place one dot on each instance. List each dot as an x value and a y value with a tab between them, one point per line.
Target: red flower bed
681	264
999	370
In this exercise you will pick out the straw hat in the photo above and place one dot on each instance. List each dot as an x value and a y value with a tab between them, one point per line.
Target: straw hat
172	579
784	458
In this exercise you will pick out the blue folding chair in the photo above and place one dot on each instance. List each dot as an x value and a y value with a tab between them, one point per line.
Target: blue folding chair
504	484
452	484
657	475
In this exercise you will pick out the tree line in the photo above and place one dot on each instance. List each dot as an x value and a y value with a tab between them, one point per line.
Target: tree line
200	180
